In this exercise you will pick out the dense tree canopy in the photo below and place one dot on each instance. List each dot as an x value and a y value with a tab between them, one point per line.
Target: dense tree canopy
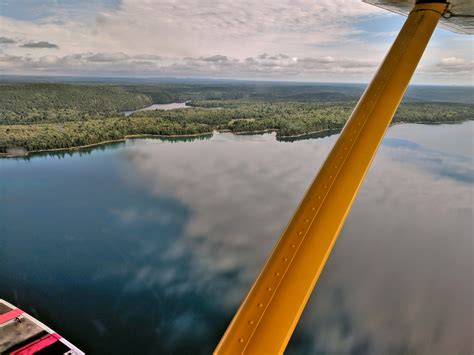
52	116
34	103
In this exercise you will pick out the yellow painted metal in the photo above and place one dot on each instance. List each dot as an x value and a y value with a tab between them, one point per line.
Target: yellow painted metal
268	316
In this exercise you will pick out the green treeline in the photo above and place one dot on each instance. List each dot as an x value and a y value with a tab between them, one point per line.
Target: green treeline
294	118
53	116
288	118
34	103
274	92
44	136
428	112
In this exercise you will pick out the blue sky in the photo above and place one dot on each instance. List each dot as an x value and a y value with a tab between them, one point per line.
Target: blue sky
38	10
303	40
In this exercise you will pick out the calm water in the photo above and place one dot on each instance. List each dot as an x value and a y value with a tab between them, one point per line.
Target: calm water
149	246
165	107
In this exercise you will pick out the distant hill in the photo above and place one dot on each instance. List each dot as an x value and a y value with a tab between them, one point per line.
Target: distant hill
58	102
457	94
165	90
38	116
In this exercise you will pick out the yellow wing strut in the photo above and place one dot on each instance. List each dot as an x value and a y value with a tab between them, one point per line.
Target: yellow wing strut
268	316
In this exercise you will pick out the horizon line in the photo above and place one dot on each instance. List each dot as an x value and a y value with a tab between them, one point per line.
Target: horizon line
130	77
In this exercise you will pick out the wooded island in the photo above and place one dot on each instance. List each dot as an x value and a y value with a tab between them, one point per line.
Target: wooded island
43	116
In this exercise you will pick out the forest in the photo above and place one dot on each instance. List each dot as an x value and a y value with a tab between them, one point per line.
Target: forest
42	116
55	102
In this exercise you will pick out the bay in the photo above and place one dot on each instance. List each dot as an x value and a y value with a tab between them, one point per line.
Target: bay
148	246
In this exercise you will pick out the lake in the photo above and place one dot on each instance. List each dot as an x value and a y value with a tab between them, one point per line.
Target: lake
148	246
165	107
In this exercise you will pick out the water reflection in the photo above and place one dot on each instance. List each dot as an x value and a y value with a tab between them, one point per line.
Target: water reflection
314	135
174	235
389	287
154	107
111	146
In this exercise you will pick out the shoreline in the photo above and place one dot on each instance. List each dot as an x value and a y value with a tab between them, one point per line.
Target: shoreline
80	147
243	133
136	136
310	133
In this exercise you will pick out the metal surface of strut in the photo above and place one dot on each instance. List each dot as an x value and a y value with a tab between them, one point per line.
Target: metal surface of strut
270	312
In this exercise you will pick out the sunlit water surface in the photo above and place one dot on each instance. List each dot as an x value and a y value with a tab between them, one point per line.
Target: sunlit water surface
165	107
148	246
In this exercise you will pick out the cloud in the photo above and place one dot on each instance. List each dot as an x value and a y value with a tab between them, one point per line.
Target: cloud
261	66
228	31
394	267
455	65
223	33
147	57
48	60
5	40
215	58
184	29
197	230
12	63
439	163
459	69
40	44
108	57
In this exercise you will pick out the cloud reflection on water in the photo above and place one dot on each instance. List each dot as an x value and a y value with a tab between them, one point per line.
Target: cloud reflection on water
399	279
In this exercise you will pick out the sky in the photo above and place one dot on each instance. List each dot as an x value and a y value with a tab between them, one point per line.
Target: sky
296	40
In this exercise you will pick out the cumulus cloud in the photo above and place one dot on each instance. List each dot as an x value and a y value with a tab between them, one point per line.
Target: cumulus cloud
459	69
188	29
48	60
147	57
5	40
11	63
456	65
107	57
40	44
260	66
389	283
215	58
225	33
